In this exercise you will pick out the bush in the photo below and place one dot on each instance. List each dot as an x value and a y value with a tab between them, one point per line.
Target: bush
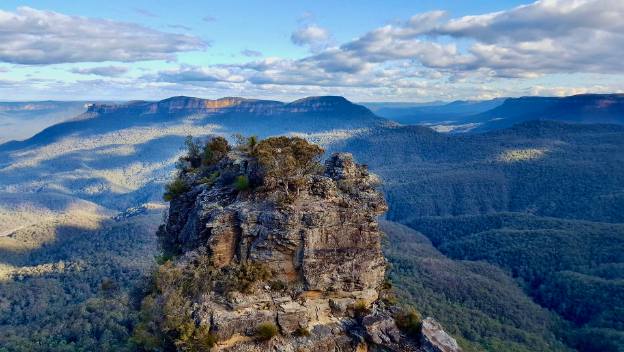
242	278
286	162
214	150
246	144
277	285
210	179
409	322
241	183
174	189
360	308
203	339
266	331
301	331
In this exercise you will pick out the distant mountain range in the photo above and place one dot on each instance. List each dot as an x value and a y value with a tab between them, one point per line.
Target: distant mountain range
434	112
19	120
258	117
118	155
584	108
487	115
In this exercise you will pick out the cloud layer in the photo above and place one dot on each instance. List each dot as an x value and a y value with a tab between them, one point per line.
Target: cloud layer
31	36
109	71
428	55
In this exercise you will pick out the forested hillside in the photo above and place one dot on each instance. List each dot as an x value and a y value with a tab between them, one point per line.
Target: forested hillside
68	285
543	201
476	301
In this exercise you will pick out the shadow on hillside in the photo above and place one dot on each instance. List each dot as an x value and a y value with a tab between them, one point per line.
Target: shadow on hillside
75	290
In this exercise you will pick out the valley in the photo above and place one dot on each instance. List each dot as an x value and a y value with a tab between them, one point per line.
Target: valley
498	229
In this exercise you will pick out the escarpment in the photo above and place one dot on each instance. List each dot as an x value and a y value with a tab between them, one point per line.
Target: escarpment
268	249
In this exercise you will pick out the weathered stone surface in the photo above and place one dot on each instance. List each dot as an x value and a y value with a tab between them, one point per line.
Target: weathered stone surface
381	329
291	316
435	339
323	250
226	323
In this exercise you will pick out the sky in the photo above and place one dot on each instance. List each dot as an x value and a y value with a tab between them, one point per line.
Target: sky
400	51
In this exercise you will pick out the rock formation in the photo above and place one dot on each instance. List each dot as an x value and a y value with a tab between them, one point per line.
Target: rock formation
309	266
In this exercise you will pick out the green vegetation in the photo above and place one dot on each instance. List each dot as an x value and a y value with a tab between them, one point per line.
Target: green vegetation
214	150
287	162
241	183
175	188
301	331
360	309
242	277
165	320
572	267
78	292
475	302
266	331
507	206
246	144
210	179
409	321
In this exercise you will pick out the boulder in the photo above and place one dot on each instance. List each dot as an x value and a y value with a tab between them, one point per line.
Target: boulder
435	339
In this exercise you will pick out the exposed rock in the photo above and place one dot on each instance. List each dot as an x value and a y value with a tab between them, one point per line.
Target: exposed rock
435	339
322	249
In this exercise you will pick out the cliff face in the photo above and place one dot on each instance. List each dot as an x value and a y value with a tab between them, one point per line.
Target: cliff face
310	267
229	105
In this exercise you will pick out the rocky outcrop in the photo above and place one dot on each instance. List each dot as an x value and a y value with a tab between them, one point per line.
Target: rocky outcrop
435	339
316	261
191	105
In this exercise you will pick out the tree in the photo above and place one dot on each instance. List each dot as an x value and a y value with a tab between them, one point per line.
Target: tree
214	150
286	162
193	151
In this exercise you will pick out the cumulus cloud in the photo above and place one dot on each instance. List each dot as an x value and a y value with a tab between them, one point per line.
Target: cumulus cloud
31	36
548	36
109	71
426	55
424	51
310	35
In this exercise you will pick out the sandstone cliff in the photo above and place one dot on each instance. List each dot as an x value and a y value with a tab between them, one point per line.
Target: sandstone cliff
290	266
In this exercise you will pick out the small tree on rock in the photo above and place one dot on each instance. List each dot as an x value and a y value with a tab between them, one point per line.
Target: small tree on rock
286	162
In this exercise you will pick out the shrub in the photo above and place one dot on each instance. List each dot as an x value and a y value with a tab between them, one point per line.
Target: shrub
409	321
241	183
277	285
301	331
162	258
193	151
242	278
286	162
214	150
360	308
210	179
203	339
174	189
266	331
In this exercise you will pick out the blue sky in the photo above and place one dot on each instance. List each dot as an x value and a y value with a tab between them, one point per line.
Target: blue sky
365	50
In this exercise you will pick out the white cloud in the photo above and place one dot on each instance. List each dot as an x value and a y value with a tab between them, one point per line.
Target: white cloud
426	55
110	71
31	36
549	36
312	36
189	73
